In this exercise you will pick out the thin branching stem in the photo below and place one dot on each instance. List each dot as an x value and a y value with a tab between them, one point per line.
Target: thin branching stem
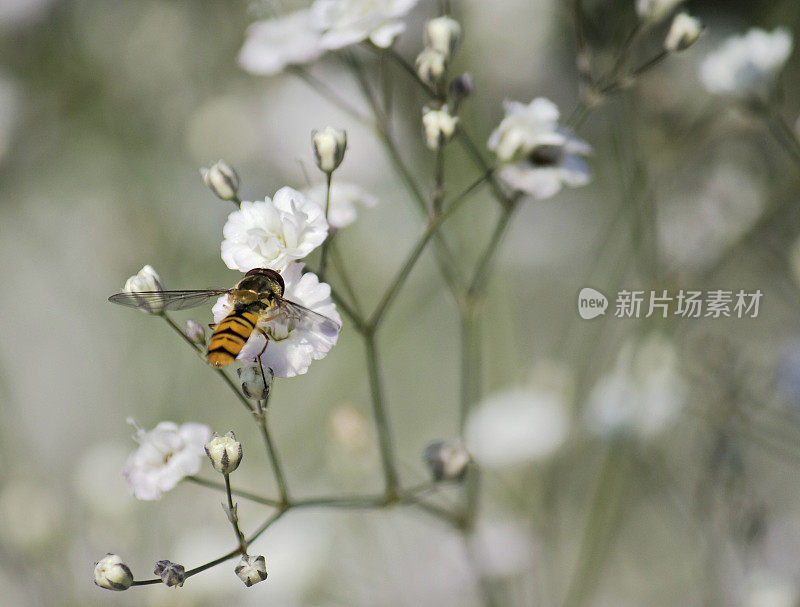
233	515
323	261
237	492
272	452
381	419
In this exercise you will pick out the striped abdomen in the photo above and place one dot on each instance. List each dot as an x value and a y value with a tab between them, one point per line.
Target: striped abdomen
230	336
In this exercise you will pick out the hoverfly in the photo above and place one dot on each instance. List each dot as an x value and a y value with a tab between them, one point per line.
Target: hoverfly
257	301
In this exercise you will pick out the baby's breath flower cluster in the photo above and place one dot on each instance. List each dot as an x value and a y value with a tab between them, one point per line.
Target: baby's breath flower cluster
535	154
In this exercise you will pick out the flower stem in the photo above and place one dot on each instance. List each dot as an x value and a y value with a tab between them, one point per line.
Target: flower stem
244	494
272	453
233	516
323	262
381	420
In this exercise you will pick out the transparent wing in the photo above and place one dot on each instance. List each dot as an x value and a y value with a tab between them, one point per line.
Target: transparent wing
153	301
303	318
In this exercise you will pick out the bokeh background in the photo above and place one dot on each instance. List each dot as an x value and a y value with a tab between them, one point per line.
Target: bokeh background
682	493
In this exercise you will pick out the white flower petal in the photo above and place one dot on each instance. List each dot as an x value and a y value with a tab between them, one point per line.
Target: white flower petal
273	44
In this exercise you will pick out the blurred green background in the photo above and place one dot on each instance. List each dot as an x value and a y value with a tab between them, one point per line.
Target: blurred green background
108	110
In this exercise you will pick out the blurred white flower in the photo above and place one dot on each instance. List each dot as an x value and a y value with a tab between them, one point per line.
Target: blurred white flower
439	126
503	548
683	32
525	424
272	44
764	588
655	10
540	156
273	232
443	34
165	455
344	199
745	65
346	22
641	395
290	354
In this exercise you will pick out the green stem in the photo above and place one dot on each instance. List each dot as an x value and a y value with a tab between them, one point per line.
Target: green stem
272	453
323	262
243	494
233	516
601	524
430	231
339	264
381	420
471	384
479	279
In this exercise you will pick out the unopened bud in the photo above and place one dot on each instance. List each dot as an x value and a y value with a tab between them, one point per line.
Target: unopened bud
146	280
329	146
221	179
461	88
252	569
195	332
446	460
172	574
112	574
439	125
683	33
225	452
443	34
431	66
255	385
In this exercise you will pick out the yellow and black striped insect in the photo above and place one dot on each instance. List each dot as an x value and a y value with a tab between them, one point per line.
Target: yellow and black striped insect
257	301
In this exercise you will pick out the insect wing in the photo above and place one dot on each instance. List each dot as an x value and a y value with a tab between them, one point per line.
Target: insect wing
155	301
308	320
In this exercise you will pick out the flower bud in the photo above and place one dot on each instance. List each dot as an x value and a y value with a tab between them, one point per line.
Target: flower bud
439	125
170	573
222	180
225	452
252	569
112	574
329	146
443	34
431	66
683	33
447	460
253	381
195	332
461	88
145	280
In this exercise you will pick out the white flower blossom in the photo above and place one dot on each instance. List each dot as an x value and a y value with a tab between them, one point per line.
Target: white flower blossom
273	44
520	425
344	199
273	232
642	395
747	64
346	22
166	454
291	354
655	10
683	32
539	156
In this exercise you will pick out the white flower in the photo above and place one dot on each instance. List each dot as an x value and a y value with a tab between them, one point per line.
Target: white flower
291	354
273	44
540	156
683	33
165	455
439	126
641	395
745	65
145	280
655	10
346	22
329	145
344	198
111	573
443	34
272	233
519	425
251	569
